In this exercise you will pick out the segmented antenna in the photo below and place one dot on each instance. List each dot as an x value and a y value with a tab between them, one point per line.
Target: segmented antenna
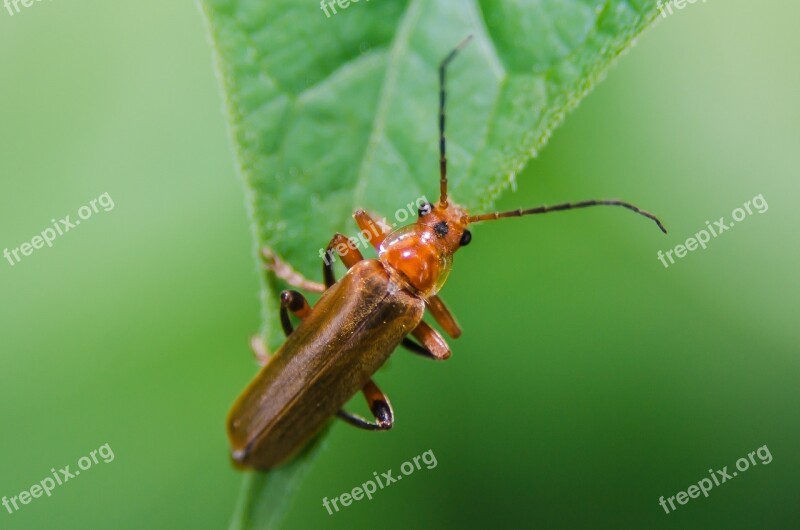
565	206
442	142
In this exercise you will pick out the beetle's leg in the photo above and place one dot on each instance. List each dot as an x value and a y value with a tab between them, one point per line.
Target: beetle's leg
413	347
297	304
378	404
433	345
259	350
443	316
285	272
350	256
376	229
294	302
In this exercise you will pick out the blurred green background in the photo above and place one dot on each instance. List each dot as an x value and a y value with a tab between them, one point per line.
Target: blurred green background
589	380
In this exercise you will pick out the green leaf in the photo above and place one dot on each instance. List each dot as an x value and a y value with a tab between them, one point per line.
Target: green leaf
332	113
266	497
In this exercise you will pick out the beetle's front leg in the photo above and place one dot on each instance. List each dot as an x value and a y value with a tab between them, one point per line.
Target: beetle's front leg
376	229
377	232
379	406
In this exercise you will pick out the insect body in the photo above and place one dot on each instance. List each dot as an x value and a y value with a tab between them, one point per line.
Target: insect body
330	357
357	323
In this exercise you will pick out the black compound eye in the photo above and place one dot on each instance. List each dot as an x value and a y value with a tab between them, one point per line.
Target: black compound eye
425	209
466	237
441	228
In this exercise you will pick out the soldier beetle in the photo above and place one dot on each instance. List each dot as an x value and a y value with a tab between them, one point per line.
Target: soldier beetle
358	322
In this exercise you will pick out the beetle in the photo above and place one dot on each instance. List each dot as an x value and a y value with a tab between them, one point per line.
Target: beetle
358	322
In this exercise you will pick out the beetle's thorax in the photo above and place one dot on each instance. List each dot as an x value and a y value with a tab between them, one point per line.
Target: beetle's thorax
421	254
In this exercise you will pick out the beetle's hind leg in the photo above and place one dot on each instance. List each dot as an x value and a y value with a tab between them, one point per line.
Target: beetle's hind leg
379	406
285	272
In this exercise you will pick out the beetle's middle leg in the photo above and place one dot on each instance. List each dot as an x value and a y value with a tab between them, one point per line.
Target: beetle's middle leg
377	400
443	316
297	304
290	301
379	406
432	344
377	232
285	272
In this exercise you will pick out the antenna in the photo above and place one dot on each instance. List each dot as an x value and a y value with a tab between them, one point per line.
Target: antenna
442	141
565	206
